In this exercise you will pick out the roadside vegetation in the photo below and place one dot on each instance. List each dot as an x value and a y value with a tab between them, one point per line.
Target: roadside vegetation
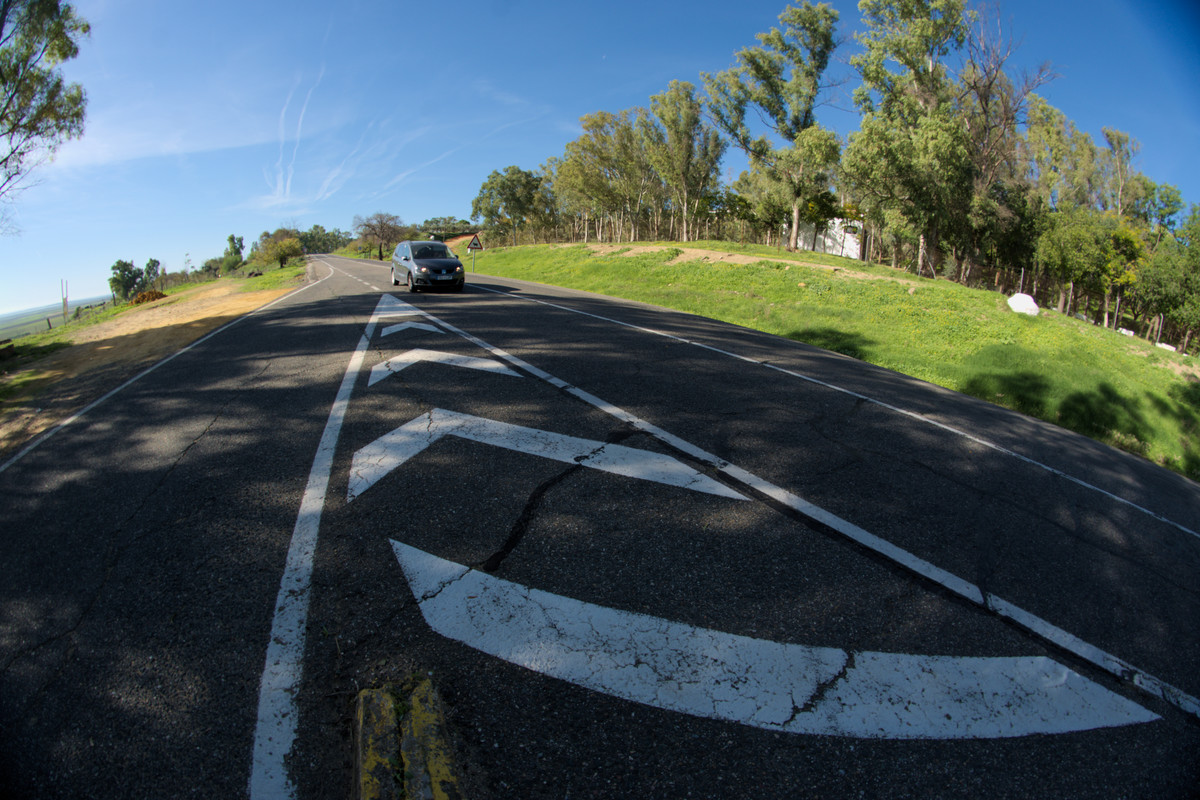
959	170
1120	390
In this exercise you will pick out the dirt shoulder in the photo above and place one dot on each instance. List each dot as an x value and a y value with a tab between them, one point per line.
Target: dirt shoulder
103	356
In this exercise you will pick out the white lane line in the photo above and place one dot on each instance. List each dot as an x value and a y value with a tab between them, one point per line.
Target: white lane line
959	586
858	396
415	356
770	685
378	459
275	730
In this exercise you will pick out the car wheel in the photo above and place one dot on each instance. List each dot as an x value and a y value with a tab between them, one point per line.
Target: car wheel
412	287
394	281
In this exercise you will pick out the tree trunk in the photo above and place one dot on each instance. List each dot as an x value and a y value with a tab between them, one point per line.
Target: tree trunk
794	233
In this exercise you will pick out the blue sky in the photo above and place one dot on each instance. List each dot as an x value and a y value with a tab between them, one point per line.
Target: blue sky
206	119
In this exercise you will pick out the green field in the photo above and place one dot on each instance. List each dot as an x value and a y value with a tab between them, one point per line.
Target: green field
1122	391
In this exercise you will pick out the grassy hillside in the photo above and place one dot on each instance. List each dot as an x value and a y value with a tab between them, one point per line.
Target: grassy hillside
1119	390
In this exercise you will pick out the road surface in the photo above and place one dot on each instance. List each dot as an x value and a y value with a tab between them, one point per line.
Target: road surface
641	554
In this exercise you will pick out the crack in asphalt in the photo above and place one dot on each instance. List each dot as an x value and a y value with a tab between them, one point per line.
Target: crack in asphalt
532	505
823	688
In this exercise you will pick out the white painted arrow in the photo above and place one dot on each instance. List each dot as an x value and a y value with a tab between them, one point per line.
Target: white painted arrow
389	330
385	454
389	307
771	685
397	363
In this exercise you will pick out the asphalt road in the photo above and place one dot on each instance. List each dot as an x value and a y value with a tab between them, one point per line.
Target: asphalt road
642	555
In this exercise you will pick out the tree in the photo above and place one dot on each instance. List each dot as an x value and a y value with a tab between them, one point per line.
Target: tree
280	251
911	161
605	174
125	279
781	78
380	229
444	225
506	199
232	258
1064	161
151	275
318	240
1073	248
1122	149
766	205
38	109
682	149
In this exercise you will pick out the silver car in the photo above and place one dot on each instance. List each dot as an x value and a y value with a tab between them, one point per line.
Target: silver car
427	265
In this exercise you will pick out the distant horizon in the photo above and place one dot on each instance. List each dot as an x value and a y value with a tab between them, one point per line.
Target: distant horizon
51	308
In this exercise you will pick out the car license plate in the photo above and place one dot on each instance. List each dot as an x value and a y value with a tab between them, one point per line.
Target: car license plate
443	277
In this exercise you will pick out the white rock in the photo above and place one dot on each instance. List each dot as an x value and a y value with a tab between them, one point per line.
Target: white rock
1125	331
1166	346
1023	304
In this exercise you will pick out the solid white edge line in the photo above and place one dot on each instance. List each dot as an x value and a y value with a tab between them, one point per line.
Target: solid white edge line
275	730
81	412
959	586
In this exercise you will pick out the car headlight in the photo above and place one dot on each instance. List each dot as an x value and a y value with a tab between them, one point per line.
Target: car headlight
423	270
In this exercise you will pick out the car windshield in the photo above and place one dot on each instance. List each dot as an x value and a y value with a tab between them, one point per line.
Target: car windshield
431	251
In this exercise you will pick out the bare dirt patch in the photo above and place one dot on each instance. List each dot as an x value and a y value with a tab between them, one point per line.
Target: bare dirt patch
718	257
101	357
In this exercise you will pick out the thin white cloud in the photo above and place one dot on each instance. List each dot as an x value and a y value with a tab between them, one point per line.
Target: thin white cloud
277	186
300	129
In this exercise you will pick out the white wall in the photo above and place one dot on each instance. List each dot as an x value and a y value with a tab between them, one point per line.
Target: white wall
835	241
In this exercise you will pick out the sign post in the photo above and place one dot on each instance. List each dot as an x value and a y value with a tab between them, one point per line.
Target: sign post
473	246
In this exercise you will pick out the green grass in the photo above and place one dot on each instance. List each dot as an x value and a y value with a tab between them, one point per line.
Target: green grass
1118	390
272	278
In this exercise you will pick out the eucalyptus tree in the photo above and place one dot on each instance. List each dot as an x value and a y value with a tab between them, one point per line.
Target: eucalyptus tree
1064	161
767	206
1178	301
38	109
994	105
1122	149
684	151
782	79
910	163
507	199
609	165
